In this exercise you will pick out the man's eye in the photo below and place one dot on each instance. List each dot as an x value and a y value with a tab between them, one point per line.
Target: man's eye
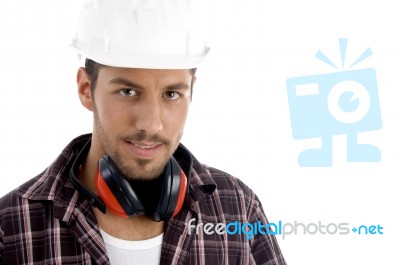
128	92
172	95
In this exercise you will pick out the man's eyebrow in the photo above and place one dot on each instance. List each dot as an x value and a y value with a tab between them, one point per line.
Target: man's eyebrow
178	86
128	83
125	82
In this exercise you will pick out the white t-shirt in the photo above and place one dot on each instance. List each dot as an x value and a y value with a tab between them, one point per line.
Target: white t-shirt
138	252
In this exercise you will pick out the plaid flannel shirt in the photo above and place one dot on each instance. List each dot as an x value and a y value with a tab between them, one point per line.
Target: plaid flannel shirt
47	221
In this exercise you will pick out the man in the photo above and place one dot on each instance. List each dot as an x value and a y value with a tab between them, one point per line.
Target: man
130	193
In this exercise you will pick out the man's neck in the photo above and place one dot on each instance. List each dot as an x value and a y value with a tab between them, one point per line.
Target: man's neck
136	228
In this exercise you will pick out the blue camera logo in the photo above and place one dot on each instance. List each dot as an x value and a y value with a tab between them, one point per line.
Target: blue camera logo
324	105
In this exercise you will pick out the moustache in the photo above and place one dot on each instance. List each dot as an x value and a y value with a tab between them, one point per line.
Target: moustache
143	136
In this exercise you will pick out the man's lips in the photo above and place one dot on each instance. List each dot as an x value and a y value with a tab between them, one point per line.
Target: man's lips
144	150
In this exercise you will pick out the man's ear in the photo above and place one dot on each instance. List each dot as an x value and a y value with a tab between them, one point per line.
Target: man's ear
84	91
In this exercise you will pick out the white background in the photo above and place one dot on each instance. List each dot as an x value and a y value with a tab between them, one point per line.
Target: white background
239	121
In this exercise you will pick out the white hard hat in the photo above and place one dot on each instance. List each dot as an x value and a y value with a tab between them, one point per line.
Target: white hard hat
155	34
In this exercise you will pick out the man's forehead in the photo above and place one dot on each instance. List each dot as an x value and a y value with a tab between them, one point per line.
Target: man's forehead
147	71
140	77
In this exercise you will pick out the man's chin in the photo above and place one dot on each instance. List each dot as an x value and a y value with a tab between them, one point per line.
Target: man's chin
143	171
136	168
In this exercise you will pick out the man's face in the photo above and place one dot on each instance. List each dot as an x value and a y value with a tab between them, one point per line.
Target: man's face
139	117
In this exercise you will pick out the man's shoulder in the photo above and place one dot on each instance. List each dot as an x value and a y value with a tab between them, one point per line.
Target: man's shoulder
229	197
53	183
51	186
15	198
225	182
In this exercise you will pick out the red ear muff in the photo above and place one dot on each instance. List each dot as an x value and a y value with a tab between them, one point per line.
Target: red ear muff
182	194
173	191
120	198
115	190
108	197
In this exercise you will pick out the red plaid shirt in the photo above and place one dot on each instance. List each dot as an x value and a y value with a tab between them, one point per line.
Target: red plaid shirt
47	221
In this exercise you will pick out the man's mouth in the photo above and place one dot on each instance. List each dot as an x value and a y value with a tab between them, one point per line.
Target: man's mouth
144	150
144	146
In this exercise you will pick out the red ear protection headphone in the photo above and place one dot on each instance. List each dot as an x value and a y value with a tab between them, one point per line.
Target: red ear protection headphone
117	195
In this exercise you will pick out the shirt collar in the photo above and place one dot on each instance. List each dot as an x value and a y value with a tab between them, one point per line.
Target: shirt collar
200	179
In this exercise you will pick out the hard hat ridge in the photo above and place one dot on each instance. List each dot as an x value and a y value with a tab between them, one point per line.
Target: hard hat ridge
140	34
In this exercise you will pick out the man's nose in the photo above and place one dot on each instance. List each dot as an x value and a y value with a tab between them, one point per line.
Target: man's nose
149	116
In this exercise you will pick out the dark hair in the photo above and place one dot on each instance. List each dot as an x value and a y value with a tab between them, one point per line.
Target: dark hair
92	69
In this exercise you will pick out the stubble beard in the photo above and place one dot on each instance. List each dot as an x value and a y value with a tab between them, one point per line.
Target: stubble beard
143	170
